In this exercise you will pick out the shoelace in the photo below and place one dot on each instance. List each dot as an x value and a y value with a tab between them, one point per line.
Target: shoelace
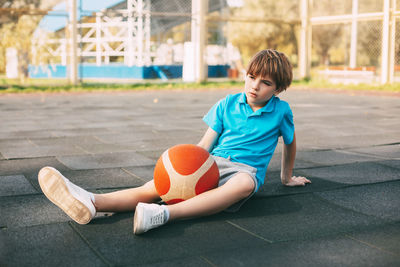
157	219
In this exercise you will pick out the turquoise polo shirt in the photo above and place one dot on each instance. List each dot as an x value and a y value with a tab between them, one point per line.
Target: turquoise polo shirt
250	137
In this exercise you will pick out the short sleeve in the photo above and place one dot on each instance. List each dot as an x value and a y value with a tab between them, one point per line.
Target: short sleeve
287	126
214	116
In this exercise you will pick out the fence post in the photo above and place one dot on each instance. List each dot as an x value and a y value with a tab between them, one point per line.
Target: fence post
387	43
73	71
98	39
353	43
392	40
305	39
199	12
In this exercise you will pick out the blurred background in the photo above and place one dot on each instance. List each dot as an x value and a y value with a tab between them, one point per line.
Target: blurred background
345	41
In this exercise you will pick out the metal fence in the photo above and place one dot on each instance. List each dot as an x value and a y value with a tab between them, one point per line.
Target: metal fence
349	39
132	33
356	40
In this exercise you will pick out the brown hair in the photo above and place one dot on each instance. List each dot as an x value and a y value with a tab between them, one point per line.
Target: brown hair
273	64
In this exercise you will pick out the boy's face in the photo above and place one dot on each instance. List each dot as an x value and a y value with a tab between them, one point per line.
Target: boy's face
258	90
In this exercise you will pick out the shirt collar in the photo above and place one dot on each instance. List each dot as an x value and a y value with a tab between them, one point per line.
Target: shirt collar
269	107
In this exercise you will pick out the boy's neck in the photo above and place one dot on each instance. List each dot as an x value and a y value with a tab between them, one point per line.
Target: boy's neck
257	107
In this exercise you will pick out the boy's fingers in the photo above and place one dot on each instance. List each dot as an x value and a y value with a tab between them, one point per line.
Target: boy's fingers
299	181
303	180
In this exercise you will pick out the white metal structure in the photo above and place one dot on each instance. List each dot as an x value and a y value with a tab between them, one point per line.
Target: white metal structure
388	17
73	70
125	34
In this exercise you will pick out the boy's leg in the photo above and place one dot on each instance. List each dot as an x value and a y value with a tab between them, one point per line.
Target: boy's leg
148	216
82	205
126	200
216	200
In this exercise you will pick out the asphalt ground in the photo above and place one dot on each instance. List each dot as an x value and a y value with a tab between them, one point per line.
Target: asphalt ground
348	146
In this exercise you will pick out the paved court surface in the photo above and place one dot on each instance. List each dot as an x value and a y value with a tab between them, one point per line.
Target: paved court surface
348	145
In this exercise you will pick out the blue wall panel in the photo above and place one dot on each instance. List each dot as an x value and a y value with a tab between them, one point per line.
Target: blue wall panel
119	71
217	71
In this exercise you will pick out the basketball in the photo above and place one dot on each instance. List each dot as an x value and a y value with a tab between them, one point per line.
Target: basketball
184	171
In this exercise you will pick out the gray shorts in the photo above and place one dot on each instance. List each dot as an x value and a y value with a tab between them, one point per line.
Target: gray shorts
227	170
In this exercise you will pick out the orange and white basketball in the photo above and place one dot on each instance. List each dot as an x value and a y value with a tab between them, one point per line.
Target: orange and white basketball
184	171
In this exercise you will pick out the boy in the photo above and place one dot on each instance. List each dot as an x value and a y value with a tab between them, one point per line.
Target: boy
243	133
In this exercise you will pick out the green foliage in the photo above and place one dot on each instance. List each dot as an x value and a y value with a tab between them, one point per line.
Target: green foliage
51	86
323	84
18	35
16	30
35	86
252	37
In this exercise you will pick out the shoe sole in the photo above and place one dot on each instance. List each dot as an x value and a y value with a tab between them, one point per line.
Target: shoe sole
55	189
136	223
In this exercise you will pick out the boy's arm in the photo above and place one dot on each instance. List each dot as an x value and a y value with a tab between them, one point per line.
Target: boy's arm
288	157
208	140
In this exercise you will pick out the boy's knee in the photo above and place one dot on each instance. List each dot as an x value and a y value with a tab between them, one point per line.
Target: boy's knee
245	183
149	186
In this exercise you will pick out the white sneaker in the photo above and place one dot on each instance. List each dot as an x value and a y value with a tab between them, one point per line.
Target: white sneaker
73	200
148	216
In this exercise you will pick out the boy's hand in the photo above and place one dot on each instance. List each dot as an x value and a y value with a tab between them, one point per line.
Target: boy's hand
297	181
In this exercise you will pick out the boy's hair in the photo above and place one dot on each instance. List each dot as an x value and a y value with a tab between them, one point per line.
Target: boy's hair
273	64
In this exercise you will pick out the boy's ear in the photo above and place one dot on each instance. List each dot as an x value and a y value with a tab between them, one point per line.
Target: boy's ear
278	91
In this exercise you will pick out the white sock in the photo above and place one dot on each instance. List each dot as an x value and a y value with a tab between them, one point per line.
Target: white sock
91	197
166	214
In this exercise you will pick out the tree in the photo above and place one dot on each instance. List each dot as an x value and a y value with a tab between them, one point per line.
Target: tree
278	33
18	35
324	38
11	11
19	20
327	37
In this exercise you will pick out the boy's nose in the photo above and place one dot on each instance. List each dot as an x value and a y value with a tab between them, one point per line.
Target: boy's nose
256	85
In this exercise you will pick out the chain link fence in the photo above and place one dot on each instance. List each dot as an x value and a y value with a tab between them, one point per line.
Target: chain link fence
331	43
114	40
397	50
397	45
369	44
118	37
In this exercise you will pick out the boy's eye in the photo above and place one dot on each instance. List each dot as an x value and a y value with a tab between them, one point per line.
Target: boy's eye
251	77
267	83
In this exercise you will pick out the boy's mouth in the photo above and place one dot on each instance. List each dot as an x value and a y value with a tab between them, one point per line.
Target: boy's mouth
251	94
